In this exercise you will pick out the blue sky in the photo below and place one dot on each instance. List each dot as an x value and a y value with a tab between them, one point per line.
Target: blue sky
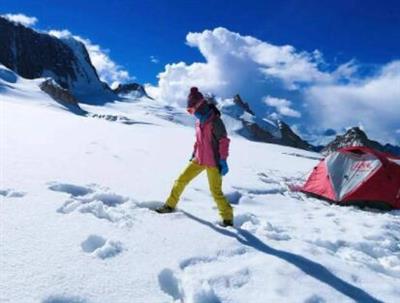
135	30
264	50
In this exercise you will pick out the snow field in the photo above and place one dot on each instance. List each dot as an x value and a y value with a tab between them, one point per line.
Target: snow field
76	224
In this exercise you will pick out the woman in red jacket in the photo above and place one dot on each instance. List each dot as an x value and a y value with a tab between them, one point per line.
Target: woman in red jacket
210	153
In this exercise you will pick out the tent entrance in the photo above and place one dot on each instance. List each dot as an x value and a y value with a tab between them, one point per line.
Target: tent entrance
347	171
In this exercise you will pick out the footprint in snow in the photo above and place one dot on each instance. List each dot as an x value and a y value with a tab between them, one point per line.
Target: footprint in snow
268	178
73	190
233	196
204	278
266	190
100	247
149	204
253	224
169	284
218	257
186	290
246	220
64	299
315	299
96	200
11	193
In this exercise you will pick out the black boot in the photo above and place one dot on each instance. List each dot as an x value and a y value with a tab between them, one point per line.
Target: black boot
164	209
226	223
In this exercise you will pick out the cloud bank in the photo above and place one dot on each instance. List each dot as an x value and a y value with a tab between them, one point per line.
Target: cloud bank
282	106
108	71
293	83
373	102
21	19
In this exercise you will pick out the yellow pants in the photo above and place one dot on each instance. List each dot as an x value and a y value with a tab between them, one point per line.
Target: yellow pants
214	181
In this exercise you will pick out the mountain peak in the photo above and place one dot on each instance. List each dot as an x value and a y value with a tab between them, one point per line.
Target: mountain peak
33	54
357	137
261	129
135	89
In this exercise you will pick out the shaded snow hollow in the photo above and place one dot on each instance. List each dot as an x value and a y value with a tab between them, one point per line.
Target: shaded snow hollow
75	222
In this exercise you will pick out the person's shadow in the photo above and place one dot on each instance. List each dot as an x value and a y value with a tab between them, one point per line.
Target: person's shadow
309	267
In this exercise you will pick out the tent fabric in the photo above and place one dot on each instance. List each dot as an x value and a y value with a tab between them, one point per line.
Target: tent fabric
357	174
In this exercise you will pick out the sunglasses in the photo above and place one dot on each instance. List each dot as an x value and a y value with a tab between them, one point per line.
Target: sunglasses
191	110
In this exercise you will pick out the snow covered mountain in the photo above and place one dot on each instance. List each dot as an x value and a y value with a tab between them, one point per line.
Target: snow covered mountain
133	90
356	137
33	54
250	125
75	193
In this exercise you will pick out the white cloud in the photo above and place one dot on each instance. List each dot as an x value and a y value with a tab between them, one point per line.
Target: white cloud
236	63
154	59
324	96
283	106
60	34
372	102
21	18
107	69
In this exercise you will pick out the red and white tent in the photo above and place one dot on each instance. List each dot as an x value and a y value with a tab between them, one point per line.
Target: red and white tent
357	175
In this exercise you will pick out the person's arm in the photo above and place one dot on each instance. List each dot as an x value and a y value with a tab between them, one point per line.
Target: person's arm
221	135
219	131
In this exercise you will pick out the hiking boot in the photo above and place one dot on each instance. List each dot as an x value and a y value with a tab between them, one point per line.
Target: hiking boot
226	223
165	209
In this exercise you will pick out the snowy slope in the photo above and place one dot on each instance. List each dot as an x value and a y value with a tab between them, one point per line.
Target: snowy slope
75	224
16	89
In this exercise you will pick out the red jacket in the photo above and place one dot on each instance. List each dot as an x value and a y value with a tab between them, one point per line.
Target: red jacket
212	143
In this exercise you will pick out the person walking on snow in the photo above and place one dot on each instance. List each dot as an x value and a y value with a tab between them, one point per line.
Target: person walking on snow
210	153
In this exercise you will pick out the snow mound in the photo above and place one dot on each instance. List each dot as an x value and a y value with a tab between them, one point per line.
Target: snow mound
100	247
7	75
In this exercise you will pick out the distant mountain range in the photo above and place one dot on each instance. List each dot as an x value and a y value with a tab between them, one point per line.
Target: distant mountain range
261	129
32	54
356	137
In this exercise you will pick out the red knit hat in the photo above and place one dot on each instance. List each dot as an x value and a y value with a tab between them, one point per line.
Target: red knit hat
195	98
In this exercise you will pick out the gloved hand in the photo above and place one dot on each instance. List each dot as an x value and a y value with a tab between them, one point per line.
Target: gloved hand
223	167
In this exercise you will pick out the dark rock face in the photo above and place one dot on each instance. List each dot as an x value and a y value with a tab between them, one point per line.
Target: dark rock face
58	93
254	129
356	137
129	88
61	95
33	55
290	138
257	133
392	149
244	105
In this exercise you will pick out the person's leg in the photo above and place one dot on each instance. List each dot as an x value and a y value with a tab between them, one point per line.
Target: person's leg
215	183
190	172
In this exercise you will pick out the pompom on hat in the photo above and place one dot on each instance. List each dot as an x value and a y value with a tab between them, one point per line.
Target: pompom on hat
195	100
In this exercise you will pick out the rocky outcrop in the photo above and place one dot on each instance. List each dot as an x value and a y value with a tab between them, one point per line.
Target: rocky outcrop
242	104
356	137
135	89
32	54
61	95
258	129
290	138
